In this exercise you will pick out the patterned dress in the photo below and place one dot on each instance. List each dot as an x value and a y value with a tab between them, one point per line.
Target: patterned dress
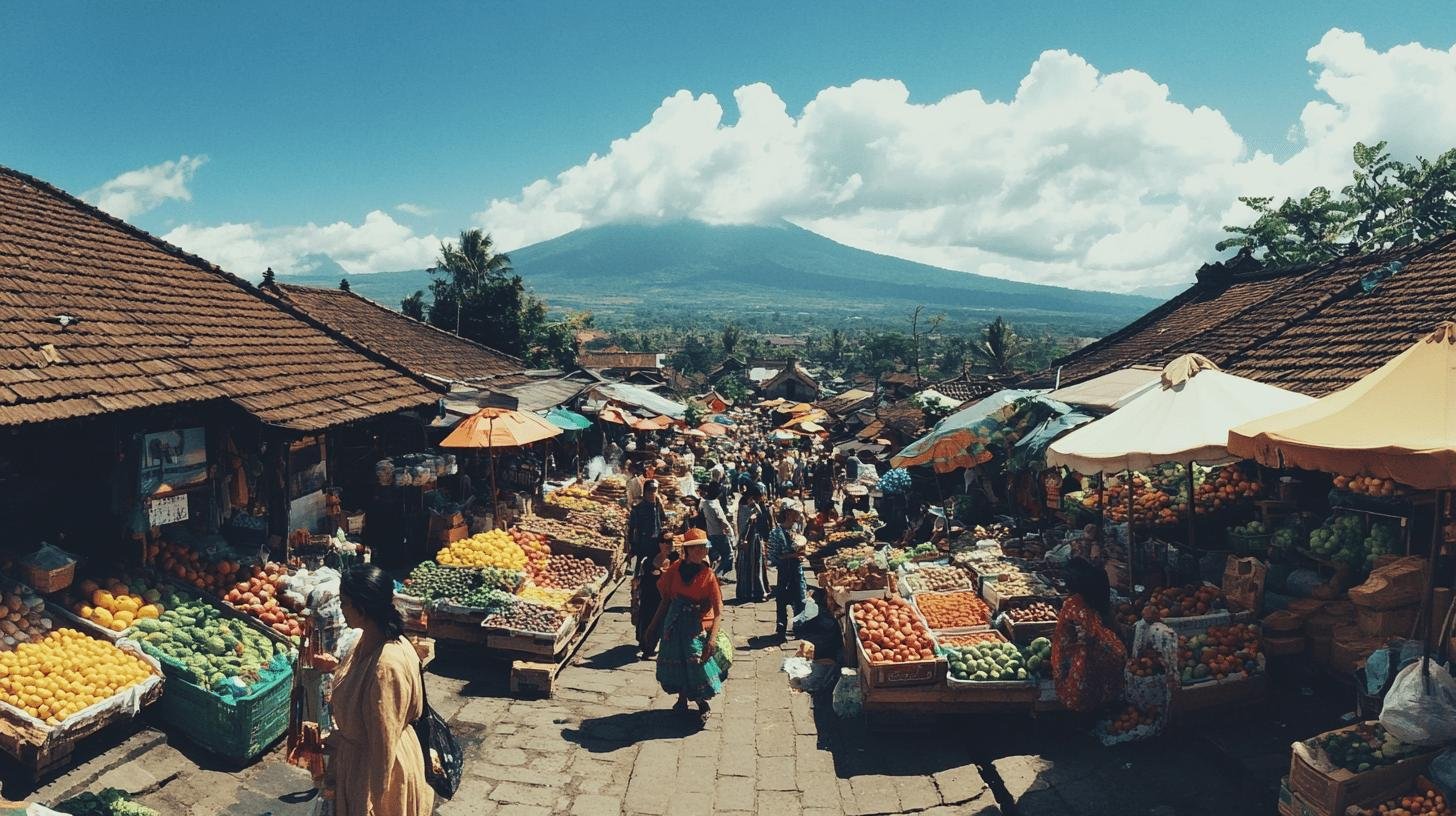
691	607
1087	658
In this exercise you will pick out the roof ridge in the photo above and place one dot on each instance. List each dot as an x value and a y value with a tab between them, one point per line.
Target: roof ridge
201	263
400	315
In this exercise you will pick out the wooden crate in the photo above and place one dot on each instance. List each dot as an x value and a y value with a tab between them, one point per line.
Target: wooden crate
531	643
1024	633
1214	695
917	673
530	678
457	627
1333	791
47	581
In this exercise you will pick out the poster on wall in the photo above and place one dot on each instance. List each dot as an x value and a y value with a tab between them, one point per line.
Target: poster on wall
173	460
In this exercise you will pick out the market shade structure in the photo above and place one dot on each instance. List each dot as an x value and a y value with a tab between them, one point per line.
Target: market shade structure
947	446
1110	391
773	403
1185	419
713	429
1398	422
499	428
567	420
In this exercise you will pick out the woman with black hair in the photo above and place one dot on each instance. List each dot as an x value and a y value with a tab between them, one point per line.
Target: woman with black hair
1087	655
378	764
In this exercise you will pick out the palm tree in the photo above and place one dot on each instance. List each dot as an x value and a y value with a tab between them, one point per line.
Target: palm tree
998	347
729	338
469	265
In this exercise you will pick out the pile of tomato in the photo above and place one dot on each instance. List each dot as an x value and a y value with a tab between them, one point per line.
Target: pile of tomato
890	632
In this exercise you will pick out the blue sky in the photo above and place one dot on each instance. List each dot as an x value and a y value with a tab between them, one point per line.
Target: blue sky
321	113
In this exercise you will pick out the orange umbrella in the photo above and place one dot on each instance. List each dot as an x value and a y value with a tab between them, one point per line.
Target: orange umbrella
612	413
713	429
499	428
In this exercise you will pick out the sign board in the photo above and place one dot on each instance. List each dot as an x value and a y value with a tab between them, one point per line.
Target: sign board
167	510
173	460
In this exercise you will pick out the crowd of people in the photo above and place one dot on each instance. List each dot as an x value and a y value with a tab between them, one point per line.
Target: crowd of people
743	524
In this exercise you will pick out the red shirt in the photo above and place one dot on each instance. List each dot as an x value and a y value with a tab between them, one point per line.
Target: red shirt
702	590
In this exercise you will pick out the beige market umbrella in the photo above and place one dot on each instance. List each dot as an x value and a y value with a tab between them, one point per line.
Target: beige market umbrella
1398	422
500	428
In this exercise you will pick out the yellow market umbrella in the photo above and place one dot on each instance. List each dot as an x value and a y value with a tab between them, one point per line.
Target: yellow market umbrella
1397	422
499	428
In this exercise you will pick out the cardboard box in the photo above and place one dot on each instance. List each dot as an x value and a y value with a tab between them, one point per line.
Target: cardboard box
1330	792
1243	583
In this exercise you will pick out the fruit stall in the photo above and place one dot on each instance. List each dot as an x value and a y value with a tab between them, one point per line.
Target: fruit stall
529	595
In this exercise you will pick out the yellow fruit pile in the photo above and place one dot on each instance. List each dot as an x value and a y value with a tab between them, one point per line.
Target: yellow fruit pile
554	598
54	677
117	608
493	549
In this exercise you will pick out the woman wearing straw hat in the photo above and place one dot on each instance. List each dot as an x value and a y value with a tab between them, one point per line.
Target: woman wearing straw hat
693	660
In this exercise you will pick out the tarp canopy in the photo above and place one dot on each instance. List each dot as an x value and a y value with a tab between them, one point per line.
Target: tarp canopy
640	398
932	397
947	446
1110	391
567	420
499	428
713	429
1185	419
1398	422
1029	452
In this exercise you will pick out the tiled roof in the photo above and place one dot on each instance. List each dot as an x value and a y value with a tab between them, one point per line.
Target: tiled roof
846	402
420	347
157	326
968	387
1309	329
898	378
605	360
904	418
797	371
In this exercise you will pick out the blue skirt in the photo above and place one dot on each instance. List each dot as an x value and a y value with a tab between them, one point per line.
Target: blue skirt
680	669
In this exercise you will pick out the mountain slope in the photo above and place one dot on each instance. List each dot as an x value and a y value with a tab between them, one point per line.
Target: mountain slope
644	269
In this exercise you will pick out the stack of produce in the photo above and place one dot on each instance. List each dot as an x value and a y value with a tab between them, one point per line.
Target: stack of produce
256	593
212	649
613	488
22	617
1221	653
1021	584
936	579
1369	486
569	572
1363	747
525	616
554	598
430	582
187	565
535	546
854	569
1039	657
1173	602
564	532
1147	664
970	638
953	610
984	662
55	676
1343	539
890	632
567	501
488	598
1131	718
493	549
1039	612
118	605
1426	802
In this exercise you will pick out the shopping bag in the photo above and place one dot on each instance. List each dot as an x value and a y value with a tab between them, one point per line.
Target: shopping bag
1420	708
723	645
443	758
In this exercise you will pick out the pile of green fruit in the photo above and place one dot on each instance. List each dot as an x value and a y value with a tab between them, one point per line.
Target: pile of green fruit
1039	657
1251	530
986	661
109	802
1366	746
1286	537
1381	541
485	597
432	582
210	647
1340	539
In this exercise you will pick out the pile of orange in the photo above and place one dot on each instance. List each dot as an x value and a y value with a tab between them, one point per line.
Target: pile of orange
890	632
953	610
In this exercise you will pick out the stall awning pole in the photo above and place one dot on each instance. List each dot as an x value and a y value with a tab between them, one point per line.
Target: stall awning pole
1191	507
1131	548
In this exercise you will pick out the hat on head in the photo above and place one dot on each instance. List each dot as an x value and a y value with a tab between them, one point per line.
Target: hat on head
650	483
694	537
790	504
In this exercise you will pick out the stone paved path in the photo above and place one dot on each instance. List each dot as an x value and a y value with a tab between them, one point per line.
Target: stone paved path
607	744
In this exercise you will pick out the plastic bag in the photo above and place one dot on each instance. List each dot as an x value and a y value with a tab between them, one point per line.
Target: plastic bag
1442	771
848	696
811	611
1378	667
1420	708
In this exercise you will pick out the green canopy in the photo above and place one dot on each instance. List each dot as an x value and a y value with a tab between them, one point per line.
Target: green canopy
567	420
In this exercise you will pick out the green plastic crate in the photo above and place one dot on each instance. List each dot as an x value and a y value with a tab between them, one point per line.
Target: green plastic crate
238	729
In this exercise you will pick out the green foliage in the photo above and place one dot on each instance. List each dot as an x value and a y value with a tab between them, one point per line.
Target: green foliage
695	357
693	416
414	305
1387	203
733	388
997	347
475	293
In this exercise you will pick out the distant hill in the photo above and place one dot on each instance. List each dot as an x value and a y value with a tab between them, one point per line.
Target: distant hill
640	270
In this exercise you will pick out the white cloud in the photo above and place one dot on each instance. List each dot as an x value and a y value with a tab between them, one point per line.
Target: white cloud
414	209
1082	177
146	188
378	244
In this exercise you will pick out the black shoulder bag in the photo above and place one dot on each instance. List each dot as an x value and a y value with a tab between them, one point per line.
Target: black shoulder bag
443	759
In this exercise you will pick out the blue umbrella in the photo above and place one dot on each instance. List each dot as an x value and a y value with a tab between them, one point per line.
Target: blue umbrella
723	419
567	420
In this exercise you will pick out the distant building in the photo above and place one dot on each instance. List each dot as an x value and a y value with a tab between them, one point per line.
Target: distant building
791	382
785	342
634	367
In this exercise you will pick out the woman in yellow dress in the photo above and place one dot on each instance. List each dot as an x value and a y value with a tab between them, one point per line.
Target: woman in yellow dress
378	765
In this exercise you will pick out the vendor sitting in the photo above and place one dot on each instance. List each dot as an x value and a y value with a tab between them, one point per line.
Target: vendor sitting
822	630
1087	655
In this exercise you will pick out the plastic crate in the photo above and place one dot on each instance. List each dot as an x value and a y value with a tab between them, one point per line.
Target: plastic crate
237	729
